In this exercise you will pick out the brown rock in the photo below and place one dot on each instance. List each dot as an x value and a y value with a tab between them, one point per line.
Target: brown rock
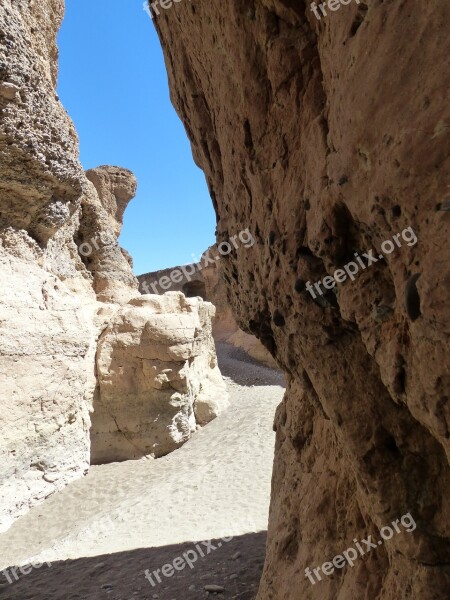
327	138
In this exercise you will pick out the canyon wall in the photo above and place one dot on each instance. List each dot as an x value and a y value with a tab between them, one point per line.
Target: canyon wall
329	140
66	284
47	341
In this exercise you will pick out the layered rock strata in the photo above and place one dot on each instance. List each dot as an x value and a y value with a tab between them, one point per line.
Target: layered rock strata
327	138
165	342
66	283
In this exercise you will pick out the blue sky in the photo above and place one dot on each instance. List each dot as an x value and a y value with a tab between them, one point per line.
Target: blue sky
113	83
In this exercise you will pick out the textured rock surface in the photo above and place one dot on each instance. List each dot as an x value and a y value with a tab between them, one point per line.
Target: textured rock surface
47	339
225	328
191	282
203	279
157	378
64	279
327	138
100	225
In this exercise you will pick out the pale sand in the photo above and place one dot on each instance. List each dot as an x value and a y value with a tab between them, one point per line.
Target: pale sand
216	485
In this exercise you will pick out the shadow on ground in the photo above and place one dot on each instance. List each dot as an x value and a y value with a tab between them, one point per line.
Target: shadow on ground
236	566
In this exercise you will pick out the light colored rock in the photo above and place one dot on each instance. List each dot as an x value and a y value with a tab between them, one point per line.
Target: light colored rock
218	589
47	349
47	338
57	299
108	192
8	90
157	378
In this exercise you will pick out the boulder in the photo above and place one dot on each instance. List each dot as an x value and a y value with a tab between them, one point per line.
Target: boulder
158	378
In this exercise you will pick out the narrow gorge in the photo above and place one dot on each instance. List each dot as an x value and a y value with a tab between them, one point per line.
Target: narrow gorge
328	140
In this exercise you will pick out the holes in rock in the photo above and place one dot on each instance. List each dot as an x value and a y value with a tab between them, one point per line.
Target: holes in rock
304	251
278	319
299	286
360	16
248	140
396	211
412	298
400	381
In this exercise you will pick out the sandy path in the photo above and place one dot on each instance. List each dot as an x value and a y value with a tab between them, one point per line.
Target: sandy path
216	485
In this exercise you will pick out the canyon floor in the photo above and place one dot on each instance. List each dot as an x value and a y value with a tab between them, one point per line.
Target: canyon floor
102	532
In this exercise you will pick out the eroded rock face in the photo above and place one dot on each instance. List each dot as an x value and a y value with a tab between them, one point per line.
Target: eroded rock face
47	340
65	282
101	220
165	346
225	327
327	138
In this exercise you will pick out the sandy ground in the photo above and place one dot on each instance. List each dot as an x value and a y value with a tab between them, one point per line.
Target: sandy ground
103	531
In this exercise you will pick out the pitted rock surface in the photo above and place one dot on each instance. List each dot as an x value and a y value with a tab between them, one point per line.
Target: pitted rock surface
327	138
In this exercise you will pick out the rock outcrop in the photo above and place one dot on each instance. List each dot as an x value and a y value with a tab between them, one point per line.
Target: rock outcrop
327	138
203	279
100	225
66	283
47	340
166	343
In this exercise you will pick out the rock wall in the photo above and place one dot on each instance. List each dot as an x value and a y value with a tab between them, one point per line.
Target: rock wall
326	138
191	282
66	283
47	341
225	327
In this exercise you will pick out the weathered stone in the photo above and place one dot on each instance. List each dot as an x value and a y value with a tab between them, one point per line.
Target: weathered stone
203	279
65	282
311	135
157	378
47	338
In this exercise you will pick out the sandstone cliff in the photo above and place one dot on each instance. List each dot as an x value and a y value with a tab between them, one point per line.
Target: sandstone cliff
66	283
327	138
